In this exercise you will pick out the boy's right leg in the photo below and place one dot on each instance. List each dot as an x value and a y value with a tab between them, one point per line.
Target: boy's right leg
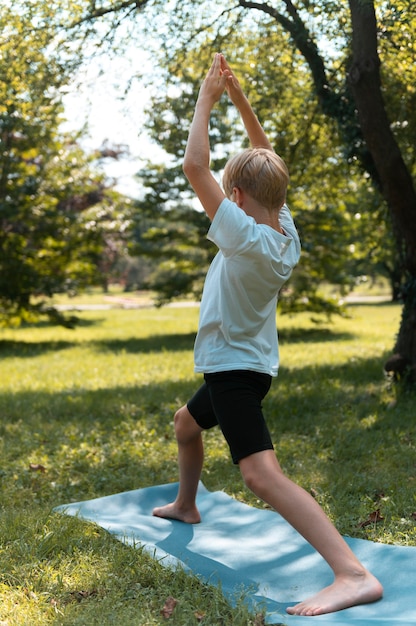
190	460
353	584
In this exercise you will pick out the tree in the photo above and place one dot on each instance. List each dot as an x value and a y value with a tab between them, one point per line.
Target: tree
55	207
395	178
349	89
172	234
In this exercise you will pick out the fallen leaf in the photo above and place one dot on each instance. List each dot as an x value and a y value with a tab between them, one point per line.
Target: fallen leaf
55	605
169	607
37	467
199	616
373	518
82	595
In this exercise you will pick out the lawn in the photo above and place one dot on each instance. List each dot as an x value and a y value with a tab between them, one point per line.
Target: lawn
88	412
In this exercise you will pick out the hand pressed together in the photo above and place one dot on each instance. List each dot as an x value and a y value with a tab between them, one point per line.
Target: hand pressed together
215	81
232	85
218	79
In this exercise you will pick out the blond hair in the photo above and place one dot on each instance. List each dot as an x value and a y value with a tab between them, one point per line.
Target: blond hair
259	172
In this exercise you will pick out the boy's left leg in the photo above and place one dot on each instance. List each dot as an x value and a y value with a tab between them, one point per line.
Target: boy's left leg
353	584
190	459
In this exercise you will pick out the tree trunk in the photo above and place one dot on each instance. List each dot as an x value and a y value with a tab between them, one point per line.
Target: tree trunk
396	183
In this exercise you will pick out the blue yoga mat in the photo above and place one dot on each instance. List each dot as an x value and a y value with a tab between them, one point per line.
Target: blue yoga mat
253	549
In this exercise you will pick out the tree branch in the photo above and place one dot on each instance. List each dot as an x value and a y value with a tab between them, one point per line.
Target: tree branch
95	13
304	42
339	106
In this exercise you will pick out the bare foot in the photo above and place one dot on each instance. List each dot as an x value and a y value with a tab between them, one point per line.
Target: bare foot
174	511
345	591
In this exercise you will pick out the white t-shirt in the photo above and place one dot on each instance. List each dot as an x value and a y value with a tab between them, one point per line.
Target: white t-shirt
237	323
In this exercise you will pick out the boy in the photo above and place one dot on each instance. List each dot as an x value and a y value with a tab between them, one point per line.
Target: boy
236	346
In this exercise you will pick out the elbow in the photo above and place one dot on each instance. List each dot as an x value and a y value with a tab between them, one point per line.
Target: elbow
186	167
191	169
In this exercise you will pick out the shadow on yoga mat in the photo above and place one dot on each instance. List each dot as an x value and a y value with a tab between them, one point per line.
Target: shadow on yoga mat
256	550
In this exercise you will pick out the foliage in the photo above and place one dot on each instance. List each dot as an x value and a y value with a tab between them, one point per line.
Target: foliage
177	241
94	410
57	215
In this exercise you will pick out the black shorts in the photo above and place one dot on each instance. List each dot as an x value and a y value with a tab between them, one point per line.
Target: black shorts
233	400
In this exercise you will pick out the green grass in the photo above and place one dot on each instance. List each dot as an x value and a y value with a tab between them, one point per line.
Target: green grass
94	407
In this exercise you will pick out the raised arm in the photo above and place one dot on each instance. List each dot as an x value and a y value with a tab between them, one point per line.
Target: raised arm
197	154
255	132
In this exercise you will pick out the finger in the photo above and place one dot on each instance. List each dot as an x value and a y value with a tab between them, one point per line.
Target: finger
230	79
215	67
224	64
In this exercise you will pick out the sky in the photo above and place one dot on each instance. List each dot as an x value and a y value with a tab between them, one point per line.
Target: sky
98	98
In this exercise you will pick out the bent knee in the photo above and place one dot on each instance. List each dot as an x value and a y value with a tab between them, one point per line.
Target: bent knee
186	427
260	472
253	481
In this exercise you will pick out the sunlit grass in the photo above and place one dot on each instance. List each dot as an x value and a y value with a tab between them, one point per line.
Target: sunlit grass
94	406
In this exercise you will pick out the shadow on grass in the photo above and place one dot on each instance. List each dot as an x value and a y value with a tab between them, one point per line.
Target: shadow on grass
154	343
135	345
312	335
371	304
24	349
78	323
316	398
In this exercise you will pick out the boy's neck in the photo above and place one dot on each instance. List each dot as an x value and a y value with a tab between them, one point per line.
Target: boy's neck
262	215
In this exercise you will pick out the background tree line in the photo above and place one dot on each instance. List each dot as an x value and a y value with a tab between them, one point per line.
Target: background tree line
334	84
62	225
